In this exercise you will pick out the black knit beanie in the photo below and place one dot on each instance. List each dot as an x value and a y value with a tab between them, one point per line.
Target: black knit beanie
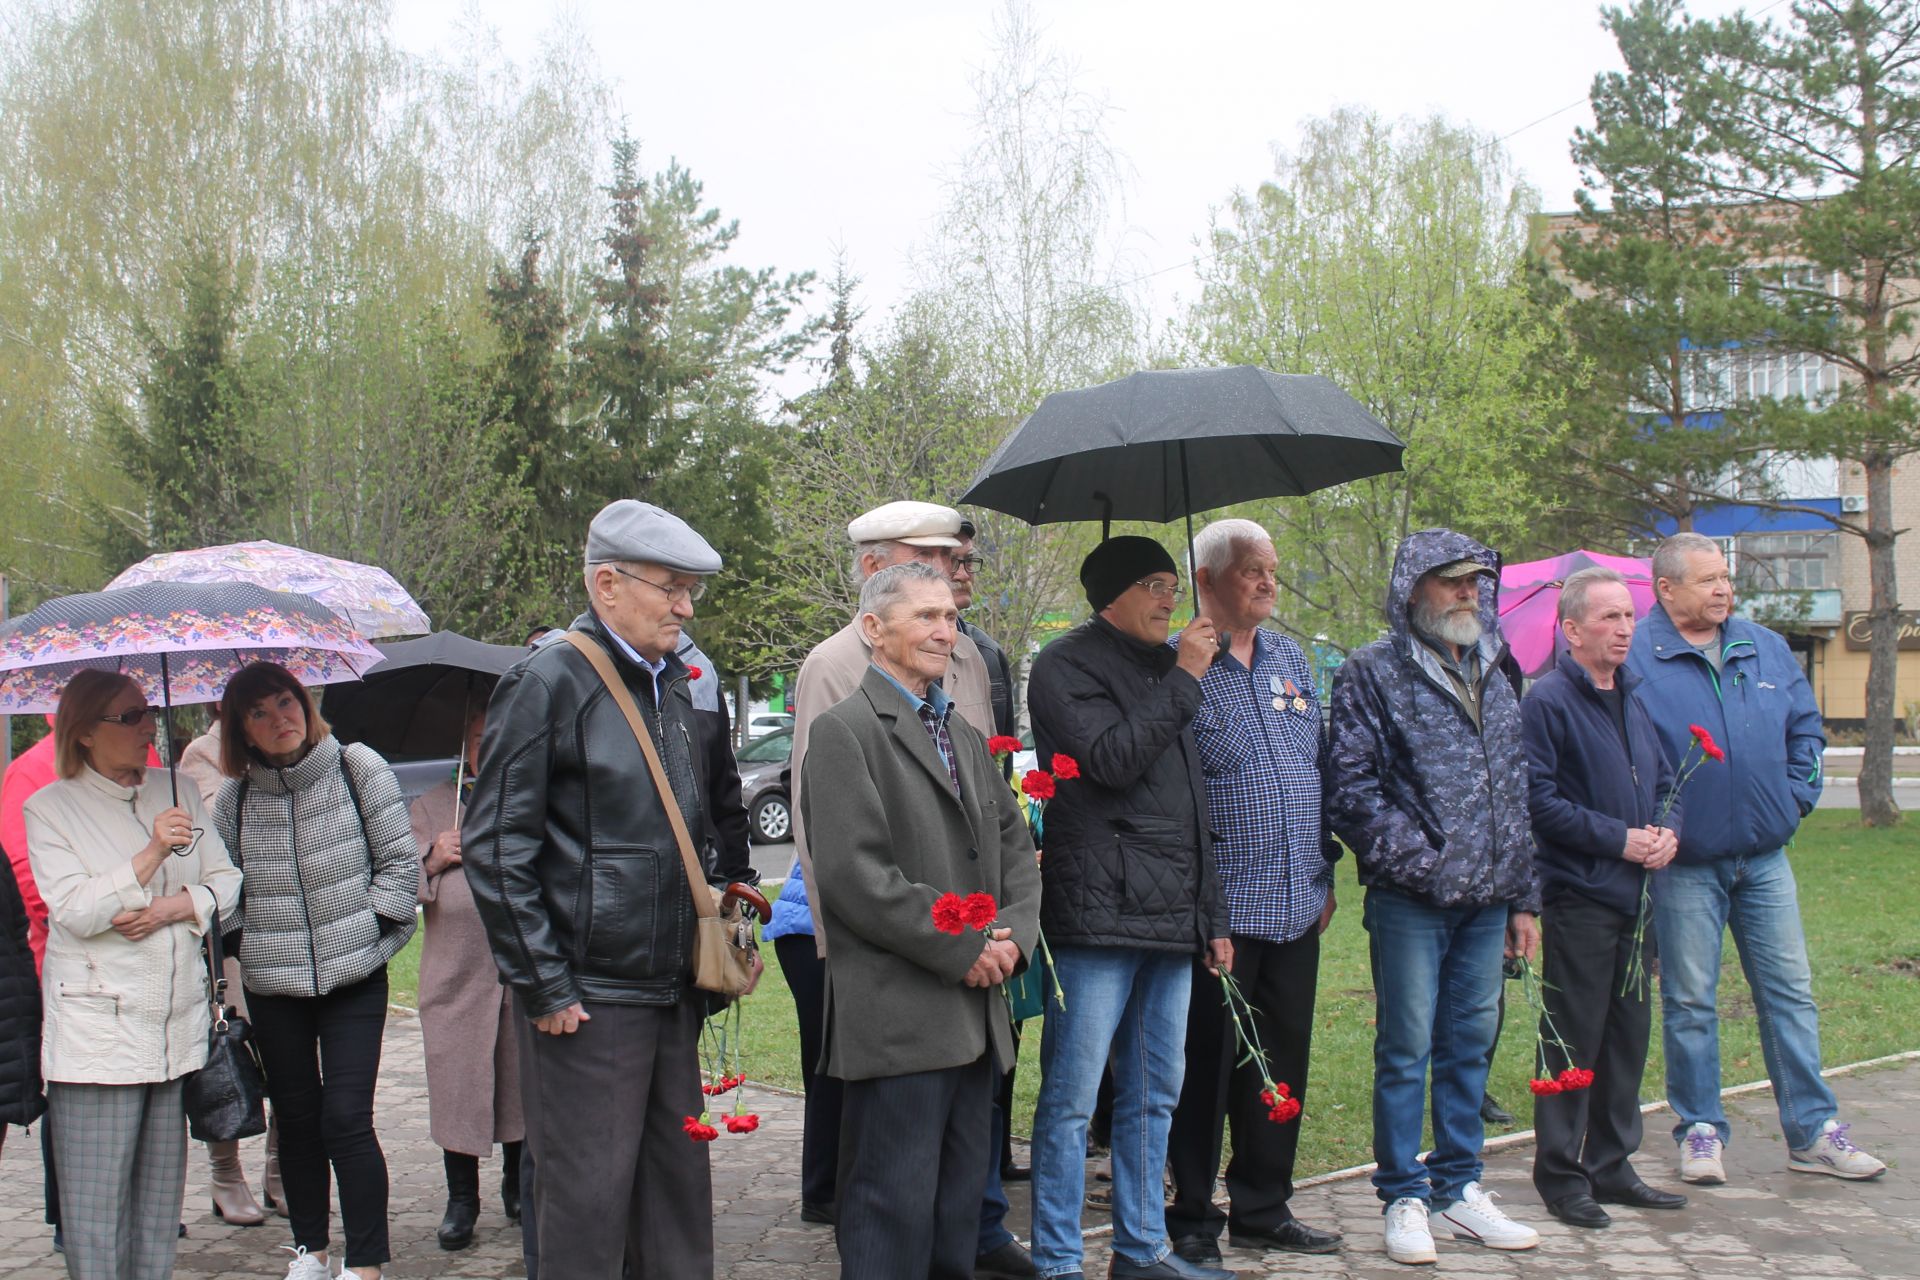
1117	564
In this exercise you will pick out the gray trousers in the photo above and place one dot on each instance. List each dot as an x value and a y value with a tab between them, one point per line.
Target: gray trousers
618	1174
914	1151
121	1150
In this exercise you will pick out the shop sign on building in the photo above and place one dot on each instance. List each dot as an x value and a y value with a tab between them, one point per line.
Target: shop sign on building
1857	627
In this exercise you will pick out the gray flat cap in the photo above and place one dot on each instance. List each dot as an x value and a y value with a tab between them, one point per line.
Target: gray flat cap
631	530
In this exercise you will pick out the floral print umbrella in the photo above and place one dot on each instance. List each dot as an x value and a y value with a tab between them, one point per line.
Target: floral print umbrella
181	641
367	596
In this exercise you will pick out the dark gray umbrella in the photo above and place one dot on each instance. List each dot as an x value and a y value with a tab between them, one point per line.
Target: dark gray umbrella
414	704
1166	443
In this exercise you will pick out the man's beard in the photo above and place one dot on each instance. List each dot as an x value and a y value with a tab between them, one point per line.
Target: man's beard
1457	624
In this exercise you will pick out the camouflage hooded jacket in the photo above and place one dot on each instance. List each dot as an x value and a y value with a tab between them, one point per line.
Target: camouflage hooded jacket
1431	806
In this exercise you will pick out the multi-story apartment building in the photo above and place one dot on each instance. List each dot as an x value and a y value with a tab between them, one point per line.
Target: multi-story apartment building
1793	569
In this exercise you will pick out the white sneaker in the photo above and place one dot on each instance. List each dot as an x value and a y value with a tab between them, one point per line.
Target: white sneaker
1832	1153
1700	1149
1408	1238
307	1267
1474	1216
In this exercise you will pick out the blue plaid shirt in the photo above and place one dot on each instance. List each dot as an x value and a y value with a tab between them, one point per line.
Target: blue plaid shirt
1263	767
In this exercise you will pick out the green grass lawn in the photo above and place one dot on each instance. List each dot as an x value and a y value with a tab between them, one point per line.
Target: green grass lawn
1859	897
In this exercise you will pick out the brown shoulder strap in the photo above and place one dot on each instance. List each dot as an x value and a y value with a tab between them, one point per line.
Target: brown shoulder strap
703	903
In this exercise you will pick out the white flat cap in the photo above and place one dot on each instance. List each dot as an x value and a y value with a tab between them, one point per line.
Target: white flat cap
639	531
918	524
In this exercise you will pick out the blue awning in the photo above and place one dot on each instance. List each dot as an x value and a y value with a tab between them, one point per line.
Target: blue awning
1731	519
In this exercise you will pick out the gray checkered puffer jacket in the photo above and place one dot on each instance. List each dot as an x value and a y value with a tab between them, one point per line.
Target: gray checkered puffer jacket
332	872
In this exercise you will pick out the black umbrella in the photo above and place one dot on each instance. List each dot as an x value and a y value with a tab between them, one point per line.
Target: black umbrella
416	702
1165	443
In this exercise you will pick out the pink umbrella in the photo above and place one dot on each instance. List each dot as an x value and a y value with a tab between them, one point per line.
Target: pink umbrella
1530	597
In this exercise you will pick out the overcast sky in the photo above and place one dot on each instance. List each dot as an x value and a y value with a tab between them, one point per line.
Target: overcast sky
830	123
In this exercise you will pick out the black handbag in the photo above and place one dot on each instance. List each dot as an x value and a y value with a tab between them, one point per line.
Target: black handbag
226	1099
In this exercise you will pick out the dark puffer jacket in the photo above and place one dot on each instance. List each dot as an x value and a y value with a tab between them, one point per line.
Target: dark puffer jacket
21	1100
1429	805
568	849
1128	860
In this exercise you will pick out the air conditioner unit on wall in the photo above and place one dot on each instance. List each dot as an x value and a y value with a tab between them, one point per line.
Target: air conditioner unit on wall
1854	502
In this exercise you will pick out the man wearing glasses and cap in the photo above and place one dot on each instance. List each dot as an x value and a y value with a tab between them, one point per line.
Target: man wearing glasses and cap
578	878
1427	783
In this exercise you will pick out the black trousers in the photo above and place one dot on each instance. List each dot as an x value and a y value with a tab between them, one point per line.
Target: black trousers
1278	979
914	1151
617	1175
1583	1138
806	975
322	1055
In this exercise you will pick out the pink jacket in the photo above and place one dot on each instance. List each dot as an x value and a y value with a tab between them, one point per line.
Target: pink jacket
26	775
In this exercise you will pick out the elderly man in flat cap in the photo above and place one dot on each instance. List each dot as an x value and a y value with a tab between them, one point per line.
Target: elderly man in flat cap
1130	897
573	863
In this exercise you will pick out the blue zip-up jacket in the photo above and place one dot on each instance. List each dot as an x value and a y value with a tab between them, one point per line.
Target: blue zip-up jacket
1587	787
1431	806
1759	708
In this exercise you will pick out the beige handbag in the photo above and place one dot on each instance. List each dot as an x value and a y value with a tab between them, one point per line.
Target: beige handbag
724	946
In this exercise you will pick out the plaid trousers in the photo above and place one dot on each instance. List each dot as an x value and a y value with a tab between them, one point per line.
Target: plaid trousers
121	1151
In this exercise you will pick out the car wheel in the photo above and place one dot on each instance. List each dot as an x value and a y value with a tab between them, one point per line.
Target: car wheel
772	819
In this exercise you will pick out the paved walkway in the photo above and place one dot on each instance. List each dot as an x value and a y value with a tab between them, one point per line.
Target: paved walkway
1766	1223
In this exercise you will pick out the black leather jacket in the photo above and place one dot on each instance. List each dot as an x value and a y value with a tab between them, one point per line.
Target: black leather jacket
567	848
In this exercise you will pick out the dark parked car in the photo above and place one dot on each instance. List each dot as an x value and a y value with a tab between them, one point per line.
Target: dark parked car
763	786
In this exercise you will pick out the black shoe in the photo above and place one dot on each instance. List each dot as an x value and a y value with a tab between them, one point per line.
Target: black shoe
1008	1262
1016	1173
1579	1210
1642	1196
821	1213
1291	1236
1171	1267
510	1180
456	1229
1491	1112
1204	1250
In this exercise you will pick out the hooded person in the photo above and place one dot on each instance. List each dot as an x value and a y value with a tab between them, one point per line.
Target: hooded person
1427	783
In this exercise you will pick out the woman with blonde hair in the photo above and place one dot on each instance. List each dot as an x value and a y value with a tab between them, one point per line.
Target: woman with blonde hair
332	887
132	880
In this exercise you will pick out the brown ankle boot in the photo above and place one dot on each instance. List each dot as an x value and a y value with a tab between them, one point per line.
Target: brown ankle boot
233	1203
275	1193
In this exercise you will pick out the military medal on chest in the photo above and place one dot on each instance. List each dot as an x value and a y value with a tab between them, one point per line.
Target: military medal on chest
1287	696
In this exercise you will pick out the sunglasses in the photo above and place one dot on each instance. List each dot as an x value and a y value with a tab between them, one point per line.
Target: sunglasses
130	718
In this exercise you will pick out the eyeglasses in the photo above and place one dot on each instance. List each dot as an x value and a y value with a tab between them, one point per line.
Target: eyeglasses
129	718
675	594
1162	590
970	563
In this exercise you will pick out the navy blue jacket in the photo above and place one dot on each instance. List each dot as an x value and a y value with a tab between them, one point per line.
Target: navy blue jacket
1760	708
1587	787
1431	806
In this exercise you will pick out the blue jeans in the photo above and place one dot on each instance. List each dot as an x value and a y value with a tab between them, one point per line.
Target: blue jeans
1436	979
1693	903
1133	1004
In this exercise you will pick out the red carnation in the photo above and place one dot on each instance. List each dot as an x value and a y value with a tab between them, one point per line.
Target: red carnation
1065	768
1002	745
743	1124
950	914
699	1130
1542	1088
693	673
1574	1078
1038	784
1284	1110
1711	749
980	910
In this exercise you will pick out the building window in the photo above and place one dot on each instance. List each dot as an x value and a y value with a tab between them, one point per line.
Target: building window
1787	561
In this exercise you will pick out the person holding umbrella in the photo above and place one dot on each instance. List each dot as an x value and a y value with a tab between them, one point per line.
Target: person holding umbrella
466	1013
132	882
333	887
1130	898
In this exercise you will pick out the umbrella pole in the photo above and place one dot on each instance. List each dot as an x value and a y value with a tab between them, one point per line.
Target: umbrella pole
460	769
166	727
